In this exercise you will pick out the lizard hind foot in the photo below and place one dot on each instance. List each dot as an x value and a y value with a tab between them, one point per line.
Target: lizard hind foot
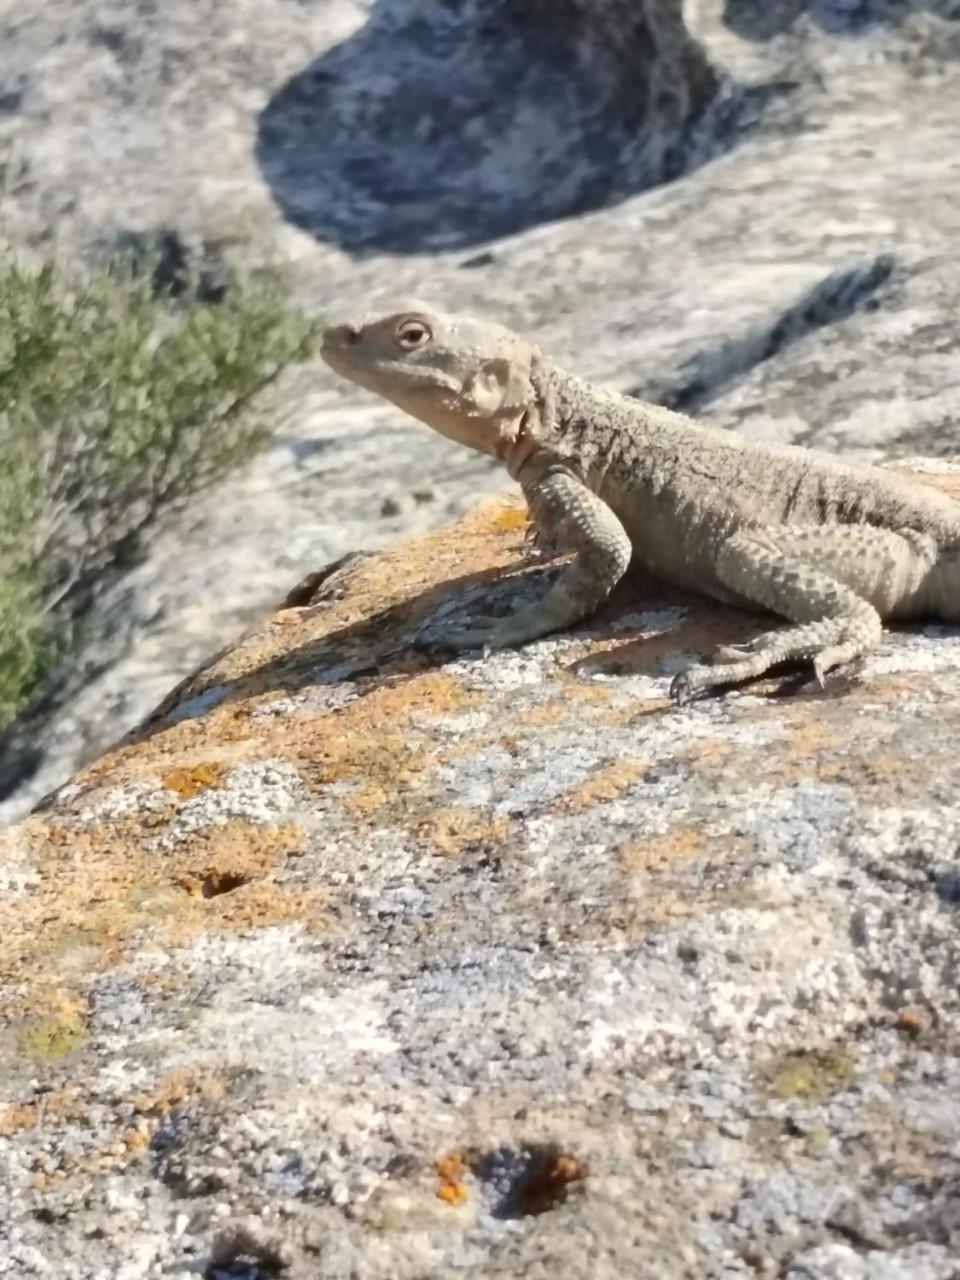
700	679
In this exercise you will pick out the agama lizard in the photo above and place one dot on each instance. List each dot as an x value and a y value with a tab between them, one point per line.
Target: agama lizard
833	546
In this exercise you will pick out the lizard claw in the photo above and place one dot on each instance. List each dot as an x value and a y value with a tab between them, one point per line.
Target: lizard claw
681	689
819	674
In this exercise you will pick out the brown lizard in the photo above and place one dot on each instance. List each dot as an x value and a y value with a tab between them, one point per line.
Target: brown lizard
833	546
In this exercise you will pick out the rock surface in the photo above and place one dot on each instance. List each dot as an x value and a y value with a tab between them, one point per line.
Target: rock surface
796	278
356	962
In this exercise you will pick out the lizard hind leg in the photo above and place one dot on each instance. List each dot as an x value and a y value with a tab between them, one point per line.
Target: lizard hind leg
834	623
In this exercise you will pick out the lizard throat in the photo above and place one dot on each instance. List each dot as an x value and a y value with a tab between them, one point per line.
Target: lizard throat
514	449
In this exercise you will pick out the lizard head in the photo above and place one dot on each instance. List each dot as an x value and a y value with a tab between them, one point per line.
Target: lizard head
467	378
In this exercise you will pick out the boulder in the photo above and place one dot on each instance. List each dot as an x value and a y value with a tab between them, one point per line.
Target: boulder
358	961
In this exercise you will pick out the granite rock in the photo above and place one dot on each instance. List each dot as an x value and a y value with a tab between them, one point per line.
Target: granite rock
354	960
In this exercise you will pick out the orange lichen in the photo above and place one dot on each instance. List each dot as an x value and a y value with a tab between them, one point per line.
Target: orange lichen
453	829
912	1022
800	752
451	1170
656	869
641	856
236	851
67	1107
101	887
425	693
543	715
605	784
584	691
711	755
369	742
175	1088
453	1193
510	518
190	780
568	1169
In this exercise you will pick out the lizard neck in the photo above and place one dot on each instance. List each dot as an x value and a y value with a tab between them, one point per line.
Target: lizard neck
550	424
569	418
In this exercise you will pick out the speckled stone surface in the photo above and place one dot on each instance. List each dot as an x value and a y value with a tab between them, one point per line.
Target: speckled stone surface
759	221
355	961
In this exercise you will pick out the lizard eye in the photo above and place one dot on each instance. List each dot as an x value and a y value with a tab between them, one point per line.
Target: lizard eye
411	334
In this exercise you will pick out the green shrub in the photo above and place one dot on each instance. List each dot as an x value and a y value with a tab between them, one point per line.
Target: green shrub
115	405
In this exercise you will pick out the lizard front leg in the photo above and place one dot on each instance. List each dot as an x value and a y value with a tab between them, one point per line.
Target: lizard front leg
571	517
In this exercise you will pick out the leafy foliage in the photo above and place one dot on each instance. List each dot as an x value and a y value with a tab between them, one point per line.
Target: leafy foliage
115	406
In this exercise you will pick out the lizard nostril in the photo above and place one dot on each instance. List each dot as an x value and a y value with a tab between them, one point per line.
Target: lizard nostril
345	335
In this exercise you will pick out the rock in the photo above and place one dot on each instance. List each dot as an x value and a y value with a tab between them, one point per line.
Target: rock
354	960
794	274
435	132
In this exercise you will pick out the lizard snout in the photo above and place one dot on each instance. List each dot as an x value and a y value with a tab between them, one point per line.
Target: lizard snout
341	335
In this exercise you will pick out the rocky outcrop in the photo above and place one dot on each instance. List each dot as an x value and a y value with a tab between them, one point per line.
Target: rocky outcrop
353	961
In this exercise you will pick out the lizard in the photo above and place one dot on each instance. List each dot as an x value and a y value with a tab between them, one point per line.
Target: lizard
833	546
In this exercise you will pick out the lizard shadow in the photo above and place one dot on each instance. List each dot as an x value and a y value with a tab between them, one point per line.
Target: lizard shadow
380	644
679	628
440	127
393	643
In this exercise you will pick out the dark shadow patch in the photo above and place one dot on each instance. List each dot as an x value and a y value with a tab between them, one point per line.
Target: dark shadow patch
245	1251
529	1180
440	127
174	266
12	94
19	763
381	646
764	20
216	883
837	297
332	582
403	641
170	1133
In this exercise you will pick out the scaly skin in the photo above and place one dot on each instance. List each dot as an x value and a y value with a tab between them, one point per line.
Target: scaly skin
834	547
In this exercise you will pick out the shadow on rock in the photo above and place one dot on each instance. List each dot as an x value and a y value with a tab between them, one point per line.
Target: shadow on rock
442	126
762	20
395	643
836	297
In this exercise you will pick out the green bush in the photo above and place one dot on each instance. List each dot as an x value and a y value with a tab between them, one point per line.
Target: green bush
116	404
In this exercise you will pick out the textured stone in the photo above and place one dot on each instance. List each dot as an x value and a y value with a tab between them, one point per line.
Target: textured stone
381	965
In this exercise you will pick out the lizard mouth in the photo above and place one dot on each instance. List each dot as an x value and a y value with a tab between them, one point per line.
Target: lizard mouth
340	358
340	353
